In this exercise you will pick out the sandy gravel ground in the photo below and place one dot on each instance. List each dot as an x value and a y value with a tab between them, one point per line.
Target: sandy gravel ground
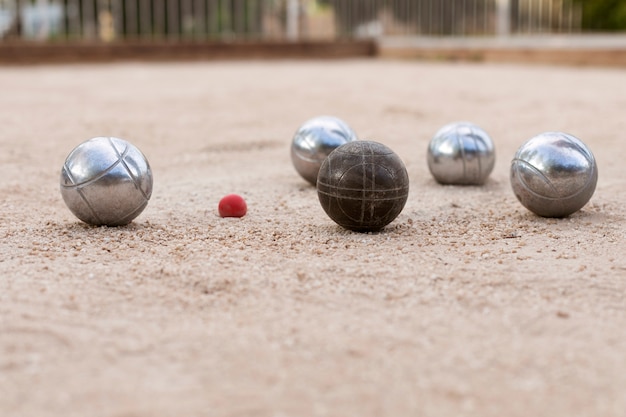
466	305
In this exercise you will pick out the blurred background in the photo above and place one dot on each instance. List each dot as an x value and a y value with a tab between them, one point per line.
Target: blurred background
299	20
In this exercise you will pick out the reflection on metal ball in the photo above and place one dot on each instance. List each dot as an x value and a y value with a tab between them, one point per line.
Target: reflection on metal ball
461	153
554	174
106	181
363	186
314	141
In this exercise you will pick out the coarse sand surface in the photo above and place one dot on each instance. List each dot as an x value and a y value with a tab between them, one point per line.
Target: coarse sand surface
466	305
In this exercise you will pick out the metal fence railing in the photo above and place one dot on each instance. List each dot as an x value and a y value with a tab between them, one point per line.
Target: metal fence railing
115	20
456	17
108	20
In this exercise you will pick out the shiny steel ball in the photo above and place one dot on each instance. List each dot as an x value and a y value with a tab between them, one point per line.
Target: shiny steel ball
314	141
363	186
554	174
106	181
461	153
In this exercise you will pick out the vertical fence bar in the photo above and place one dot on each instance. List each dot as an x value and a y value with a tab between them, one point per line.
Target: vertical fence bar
440	19
252	10
571	19
186	18
265	11
574	13
63	28
479	28
367	11
461	19
292	20
130	18
249	18
487	11
173	22
435	23
158	22
503	11
382	20
351	17
487	8
73	18
238	18
386	19
84	29
89	18
478	25
518	10
224	17
529	17
145	19
117	14
452	17
473	23
413	19
232	18
277	21
212	17
199	17
567	17
418	17
431	17
18	14
551	16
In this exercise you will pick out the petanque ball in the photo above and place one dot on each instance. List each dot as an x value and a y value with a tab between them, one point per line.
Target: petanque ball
461	153
106	181
314	141
363	185
554	174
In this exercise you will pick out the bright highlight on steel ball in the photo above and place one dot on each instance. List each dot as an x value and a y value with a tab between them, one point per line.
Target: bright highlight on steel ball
106	181
363	186
461	153
554	174
314	141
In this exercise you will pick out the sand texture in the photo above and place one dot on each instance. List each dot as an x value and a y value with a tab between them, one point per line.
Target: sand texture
466	305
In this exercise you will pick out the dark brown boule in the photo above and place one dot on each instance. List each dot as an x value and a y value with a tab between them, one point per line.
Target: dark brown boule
363	186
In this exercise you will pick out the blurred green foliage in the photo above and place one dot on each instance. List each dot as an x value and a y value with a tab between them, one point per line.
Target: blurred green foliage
603	15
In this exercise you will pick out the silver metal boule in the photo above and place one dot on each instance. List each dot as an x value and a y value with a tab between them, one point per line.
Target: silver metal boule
461	153
554	174
106	181
314	141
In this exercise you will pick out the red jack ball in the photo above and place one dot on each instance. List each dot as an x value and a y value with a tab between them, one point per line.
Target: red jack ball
232	205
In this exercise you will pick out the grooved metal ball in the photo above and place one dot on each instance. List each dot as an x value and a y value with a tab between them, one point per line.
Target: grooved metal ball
461	153
314	141
554	174
363	186
106	181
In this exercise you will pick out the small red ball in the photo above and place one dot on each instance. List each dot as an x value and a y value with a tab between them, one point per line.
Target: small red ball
232	205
